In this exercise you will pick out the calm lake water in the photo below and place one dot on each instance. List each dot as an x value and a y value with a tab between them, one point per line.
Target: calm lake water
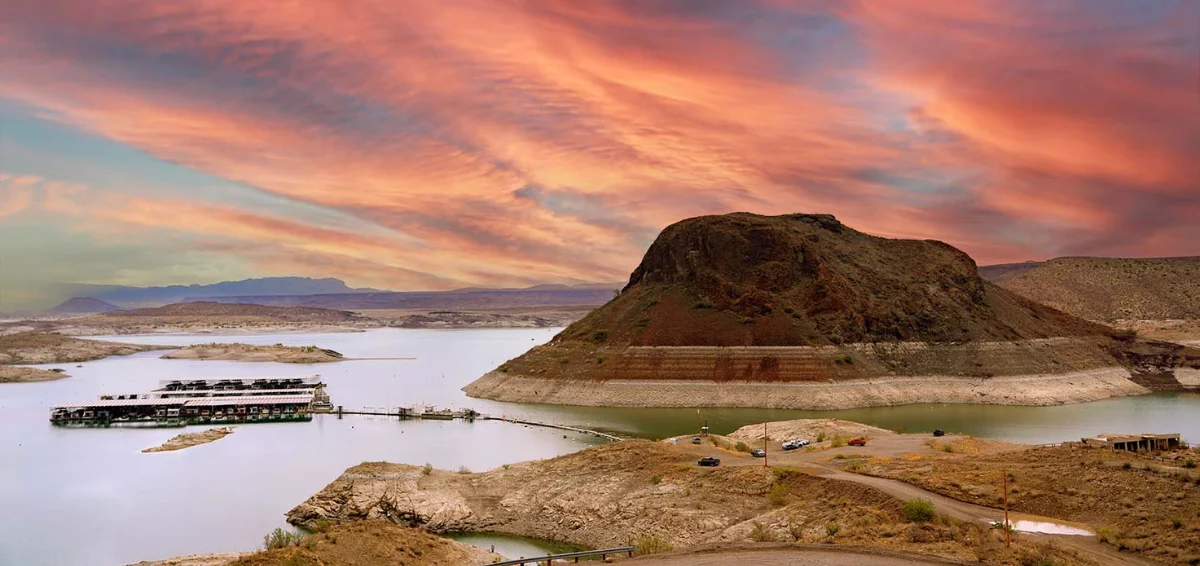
79	496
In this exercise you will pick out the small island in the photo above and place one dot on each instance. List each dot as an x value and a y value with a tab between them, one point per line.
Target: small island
252	353
190	439
11	374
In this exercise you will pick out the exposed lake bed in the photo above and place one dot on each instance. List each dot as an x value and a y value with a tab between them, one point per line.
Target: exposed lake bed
224	496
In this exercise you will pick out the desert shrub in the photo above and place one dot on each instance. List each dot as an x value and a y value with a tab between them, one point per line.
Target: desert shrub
1176	523
564	360
821	436
760	533
777	495
428	469
650	543
832	528
600	336
838	441
683	468
741	447
280	538
655	480
322	526
506	466
463	470
1127	465
1189	464
918	510
948	448
848	360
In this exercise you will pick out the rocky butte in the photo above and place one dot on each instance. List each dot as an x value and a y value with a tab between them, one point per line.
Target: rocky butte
801	311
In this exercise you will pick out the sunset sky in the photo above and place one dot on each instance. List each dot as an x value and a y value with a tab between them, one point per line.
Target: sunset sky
446	143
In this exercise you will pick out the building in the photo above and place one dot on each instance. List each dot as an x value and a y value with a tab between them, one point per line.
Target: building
1135	442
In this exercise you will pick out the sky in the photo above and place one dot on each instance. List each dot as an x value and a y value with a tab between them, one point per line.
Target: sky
449	143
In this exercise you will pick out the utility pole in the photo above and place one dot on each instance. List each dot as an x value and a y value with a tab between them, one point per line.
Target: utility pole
1007	525
764	444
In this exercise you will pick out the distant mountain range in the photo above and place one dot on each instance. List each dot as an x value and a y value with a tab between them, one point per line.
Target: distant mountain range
154	296
326	293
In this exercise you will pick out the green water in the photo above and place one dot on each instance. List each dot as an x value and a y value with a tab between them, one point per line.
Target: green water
513	547
1164	412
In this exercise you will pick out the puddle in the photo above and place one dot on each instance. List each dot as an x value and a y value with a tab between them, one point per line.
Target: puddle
1049	528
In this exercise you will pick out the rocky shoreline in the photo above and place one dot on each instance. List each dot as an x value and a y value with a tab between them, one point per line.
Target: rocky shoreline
1034	389
254	353
190	439
16	374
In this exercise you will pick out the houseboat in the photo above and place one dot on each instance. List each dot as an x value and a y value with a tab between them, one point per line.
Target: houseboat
180	403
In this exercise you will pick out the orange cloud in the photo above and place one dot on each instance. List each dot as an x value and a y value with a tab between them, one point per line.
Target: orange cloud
491	142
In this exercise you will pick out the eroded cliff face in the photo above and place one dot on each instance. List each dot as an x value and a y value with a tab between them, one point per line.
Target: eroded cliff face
602	497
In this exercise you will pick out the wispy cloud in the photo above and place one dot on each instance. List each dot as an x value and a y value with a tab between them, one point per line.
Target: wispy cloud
503	142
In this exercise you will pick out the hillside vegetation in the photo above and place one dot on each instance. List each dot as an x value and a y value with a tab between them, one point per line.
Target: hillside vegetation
1114	289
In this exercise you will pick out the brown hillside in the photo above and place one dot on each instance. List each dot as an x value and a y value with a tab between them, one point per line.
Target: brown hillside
804	299
1112	289
802	280
1000	272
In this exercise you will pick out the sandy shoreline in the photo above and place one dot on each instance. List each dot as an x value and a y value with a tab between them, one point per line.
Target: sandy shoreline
16	374
252	353
1035	389
190	439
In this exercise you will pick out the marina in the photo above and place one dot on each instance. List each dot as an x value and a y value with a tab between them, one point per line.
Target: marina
178	403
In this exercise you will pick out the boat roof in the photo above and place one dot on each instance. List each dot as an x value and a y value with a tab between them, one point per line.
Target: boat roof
194	401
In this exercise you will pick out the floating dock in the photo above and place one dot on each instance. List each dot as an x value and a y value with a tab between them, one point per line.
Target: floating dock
201	401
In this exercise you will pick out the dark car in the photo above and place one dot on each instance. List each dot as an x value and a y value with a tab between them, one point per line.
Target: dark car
858	442
758	453
709	461
939	432
695	440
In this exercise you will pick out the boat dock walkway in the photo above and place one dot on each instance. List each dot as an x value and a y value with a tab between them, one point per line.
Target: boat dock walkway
419	412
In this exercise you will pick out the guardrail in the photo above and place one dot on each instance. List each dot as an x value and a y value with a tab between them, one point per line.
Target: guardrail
550	558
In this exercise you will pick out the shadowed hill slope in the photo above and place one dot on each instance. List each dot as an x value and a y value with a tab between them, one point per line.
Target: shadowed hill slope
1113	289
805	299
82	305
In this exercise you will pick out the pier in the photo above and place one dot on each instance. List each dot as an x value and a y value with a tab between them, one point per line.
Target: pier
242	400
431	412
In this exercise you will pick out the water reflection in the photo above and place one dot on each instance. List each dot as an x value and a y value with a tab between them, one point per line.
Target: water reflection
94	488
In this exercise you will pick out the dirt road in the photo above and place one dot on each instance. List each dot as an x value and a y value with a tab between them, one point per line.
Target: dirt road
894	445
789	554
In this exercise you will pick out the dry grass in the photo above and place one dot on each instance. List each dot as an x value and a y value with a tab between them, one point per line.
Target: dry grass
1138	505
366	543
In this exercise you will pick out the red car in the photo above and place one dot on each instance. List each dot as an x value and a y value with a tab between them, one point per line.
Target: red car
858	442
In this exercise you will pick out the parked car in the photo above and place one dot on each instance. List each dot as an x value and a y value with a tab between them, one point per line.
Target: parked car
695	440
939	432
758	453
794	444
709	461
858	442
